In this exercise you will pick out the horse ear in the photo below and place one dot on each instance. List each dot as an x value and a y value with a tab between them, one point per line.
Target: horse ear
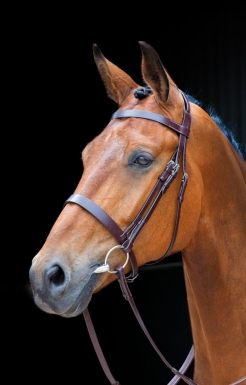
156	76
117	83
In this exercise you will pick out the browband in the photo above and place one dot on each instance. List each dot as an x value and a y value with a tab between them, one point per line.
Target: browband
183	128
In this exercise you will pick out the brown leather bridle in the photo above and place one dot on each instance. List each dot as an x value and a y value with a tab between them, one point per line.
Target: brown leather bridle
127	237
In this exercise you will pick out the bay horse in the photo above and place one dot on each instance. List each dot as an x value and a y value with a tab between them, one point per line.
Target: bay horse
160	149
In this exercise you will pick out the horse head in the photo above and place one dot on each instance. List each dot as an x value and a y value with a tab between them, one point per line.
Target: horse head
120	168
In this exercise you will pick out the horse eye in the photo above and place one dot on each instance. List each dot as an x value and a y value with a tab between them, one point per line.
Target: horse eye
143	160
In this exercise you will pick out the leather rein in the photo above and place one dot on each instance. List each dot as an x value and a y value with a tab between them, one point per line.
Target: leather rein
127	237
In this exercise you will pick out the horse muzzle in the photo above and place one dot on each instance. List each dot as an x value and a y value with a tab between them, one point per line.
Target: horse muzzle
58	291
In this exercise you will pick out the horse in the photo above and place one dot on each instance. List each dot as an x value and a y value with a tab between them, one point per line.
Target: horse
163	177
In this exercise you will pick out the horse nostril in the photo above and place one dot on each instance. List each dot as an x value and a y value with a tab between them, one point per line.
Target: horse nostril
55	275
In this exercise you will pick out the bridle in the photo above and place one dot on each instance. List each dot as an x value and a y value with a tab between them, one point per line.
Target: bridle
127	237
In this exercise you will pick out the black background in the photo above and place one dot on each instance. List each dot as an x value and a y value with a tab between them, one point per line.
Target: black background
54	102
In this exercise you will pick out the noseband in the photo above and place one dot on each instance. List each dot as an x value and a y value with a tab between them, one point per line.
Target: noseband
127	237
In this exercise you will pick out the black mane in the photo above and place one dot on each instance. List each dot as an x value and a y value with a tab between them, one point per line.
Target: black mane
240	147
143	92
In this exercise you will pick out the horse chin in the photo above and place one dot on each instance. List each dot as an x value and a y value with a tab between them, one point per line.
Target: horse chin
83	298
94	285
78	305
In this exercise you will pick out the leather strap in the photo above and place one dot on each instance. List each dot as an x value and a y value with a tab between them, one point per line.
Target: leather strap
152	116
166	178
178	374
107	221
183	129
182	145
128	296
97	348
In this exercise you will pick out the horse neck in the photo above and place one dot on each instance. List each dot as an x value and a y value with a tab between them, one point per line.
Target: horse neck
215	270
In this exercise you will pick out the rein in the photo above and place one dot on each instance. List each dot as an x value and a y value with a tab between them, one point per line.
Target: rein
127	237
